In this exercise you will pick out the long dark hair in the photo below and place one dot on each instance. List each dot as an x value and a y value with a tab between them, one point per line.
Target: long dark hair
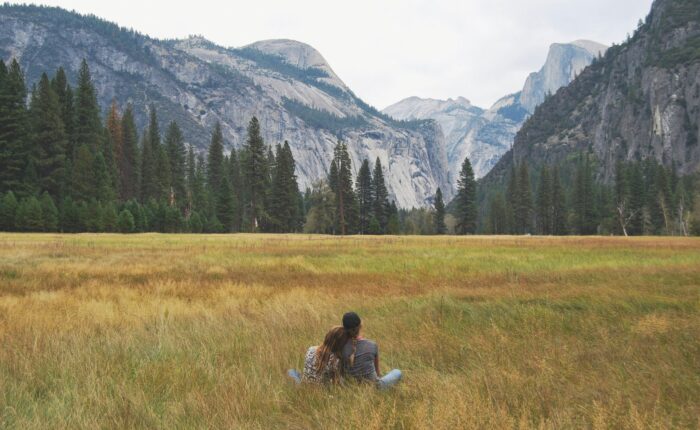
351	335
332	345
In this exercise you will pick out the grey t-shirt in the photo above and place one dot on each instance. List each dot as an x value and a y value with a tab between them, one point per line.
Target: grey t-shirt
365	354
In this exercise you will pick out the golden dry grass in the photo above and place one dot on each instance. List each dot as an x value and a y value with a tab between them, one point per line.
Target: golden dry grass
177	331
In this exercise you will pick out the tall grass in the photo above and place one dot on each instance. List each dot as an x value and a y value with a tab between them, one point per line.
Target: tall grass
177	331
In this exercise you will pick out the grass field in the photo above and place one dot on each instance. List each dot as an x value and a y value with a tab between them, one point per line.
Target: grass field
176	331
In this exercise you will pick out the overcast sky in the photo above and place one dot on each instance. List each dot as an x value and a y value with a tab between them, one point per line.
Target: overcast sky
386	50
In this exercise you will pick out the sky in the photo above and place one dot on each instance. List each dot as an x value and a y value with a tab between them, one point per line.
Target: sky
387	50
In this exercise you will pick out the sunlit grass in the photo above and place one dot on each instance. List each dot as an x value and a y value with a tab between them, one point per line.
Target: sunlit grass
177	331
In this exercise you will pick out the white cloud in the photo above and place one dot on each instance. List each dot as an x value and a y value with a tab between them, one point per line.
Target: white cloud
386	50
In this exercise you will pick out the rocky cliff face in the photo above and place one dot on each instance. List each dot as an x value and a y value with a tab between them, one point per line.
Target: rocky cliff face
484	135
642	100
288	85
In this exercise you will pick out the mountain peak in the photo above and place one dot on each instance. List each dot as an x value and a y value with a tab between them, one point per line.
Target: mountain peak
296	53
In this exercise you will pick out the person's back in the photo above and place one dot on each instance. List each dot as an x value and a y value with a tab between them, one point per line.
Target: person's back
361	366
316	373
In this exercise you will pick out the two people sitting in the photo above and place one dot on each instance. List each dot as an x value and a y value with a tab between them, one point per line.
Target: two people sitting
345	354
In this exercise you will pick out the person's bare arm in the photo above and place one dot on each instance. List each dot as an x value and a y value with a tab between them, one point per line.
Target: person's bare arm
376	365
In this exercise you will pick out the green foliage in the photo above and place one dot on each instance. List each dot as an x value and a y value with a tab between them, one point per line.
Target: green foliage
322	119
125	223
49	213
466	211
440	226
256	175
29	215
341	183
365	196
14	127
8	211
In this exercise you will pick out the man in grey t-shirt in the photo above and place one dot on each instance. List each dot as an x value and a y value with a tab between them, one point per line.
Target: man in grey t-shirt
361	356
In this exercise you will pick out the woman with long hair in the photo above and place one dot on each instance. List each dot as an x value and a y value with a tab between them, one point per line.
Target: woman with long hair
322	363
360	357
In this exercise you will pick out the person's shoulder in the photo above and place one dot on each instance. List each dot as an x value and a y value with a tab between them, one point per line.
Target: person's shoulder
369	344
311	350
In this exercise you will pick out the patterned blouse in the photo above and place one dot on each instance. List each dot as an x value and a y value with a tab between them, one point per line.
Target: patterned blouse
325	375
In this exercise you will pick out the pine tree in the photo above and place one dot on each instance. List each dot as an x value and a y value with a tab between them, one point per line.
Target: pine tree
381	196
523	203
365	197
102	186
226	205
8	211
109	217
88	127
128	159
125	223
558	205
151	160
237	184
64	93
285	191
114	145
498	218
346	202
544	203
49	139
215	162
440	227
29	217
177	154
49	213
585	213
321	216
466	211
511	199
14	127
255	174
191	169
83	182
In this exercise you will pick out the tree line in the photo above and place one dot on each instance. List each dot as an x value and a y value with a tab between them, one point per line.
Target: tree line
645	198
64	168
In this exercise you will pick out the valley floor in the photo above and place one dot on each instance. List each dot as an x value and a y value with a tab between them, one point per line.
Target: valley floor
177	331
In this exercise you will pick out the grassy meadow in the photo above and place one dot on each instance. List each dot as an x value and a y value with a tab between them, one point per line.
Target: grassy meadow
178	331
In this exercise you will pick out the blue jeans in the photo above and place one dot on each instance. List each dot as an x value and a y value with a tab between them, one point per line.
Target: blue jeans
294	375
385	382
389	380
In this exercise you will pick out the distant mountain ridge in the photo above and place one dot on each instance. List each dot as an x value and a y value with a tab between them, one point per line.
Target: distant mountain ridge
640	101
484	135
288	85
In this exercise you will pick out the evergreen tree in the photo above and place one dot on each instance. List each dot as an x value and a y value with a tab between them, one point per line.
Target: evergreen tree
440	227
64	93
511	198
637	199
498	217
109	218
8	211
128	158
466	211
177	154
255	174
83	181
14	127
88	127
321	216
102	186
584	205
125	223
226	205
49	139
365	197
29	216
237	184
113	145
215	162
346	203
558	205
544	203
191	169
381	196
151	160
522	208
49	213
164	188
394	225
285	191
